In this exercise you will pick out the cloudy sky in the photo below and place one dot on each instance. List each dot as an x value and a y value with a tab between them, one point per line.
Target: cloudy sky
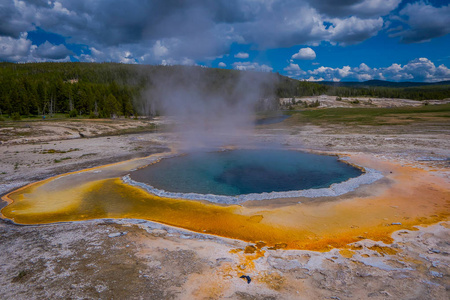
318	40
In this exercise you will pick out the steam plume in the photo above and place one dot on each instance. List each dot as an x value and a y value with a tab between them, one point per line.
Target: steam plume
211	107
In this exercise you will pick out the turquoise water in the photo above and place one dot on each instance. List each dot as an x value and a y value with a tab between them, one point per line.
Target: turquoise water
271	120
244	172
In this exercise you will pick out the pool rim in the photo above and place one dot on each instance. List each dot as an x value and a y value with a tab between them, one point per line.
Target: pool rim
368	176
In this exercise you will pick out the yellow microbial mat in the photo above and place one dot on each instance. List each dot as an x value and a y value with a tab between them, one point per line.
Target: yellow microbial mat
406	197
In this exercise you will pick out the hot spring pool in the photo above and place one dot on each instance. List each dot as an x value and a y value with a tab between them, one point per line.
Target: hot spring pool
242	172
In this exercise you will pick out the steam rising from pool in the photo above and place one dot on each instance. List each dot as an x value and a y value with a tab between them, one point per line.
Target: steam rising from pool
211	108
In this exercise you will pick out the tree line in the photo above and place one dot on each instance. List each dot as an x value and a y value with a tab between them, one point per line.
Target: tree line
435	92
76	89
288	88
107	89
103	90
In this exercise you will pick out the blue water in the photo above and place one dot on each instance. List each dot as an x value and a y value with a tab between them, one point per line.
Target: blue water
271	120
244	172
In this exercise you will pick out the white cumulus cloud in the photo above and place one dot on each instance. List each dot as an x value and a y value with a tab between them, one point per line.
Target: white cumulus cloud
50	51
294	70
12	49
353	30
23	50
420	69
159	50
241	55
311	78
305	53
292	67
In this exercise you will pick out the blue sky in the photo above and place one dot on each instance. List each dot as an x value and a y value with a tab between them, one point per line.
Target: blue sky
313	40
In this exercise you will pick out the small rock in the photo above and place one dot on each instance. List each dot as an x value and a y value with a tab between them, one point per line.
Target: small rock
436	274
385	293
247	278
117	234
396	223
159	232
435	250
100	288
223	259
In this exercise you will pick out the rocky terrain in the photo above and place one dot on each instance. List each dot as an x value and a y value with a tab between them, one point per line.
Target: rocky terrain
135	259
108	259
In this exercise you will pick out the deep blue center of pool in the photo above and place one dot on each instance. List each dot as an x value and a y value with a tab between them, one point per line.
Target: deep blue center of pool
244	172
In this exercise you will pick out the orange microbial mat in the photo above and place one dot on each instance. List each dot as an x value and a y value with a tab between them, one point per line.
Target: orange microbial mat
405	197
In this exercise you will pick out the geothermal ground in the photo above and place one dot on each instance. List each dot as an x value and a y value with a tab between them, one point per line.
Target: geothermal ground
136	259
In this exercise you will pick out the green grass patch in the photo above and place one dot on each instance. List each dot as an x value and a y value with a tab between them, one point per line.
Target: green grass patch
139	129
22	275
21	133
62	159
373	116
52	151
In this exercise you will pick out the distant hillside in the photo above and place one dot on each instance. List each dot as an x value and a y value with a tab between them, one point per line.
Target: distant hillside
112	89
382	83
